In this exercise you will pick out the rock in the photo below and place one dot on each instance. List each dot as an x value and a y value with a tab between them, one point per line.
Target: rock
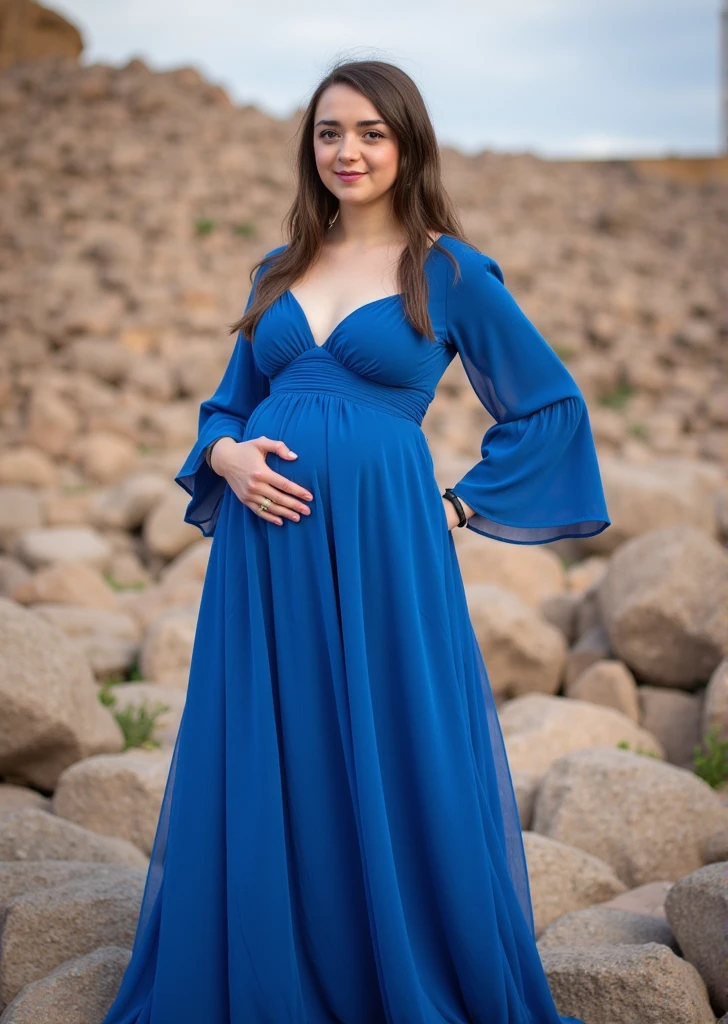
525	786
26	466
50	715
626	984
167	647
21	876
524	654
560	610
643	899
115	795
674	718
610	684
592	646
126	505
30	31
645	818
78	991
68	583
665	604
20	508
104	457
33	834
715	707
42	929
55	544
148	604
16	798
529	571
697	909
538	729
13	574
109	639
52	422
165	532
189	567
668	492
600	926
564	879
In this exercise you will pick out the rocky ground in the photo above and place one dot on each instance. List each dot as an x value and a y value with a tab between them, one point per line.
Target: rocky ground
140	201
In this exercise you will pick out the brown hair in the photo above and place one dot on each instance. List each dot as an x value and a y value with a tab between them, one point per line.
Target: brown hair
419	200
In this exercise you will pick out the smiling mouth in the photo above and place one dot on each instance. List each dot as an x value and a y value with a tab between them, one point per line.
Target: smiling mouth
349	174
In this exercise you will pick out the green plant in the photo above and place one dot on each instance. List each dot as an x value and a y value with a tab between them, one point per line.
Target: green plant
246	228
116	584
638	430
710	759
618	397
564	352
204	226
136	721
624	745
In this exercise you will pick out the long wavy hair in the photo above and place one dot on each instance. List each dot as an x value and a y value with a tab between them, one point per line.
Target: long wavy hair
419	200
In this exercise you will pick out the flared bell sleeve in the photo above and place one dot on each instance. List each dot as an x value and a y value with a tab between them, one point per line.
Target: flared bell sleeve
538	479
242	388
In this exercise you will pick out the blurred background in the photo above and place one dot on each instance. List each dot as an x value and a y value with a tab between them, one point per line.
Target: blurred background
146	156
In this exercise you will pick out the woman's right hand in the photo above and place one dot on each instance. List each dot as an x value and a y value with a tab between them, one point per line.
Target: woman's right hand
243	465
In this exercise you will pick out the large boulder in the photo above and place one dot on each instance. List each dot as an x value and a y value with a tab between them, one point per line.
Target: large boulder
607	926
647	819
697	909
78	991
626	984
50	714
34	834
44	928
539	728
115	795
563	878
664	600
524	653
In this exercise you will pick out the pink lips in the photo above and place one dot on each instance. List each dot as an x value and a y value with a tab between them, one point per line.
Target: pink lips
348	177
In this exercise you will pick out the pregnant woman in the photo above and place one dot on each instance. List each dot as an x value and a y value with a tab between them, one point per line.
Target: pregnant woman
339	841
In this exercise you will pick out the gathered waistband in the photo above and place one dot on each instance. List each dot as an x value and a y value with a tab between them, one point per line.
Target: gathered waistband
324	373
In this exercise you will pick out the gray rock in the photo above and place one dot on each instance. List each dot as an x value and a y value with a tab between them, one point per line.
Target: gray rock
626	984
697	910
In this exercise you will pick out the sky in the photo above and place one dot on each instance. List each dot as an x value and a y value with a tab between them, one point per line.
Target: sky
556	78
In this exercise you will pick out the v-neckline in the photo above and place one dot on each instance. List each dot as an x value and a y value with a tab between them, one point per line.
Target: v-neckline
365	305
341	323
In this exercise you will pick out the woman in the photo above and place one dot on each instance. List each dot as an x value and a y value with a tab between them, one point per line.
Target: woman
339	839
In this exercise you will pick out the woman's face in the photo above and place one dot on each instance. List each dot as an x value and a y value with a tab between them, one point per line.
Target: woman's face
350	135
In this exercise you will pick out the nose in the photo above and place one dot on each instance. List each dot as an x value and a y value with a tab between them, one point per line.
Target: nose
349	149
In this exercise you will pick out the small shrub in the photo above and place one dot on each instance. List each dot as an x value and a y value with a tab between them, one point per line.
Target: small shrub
710	759
136	722
204	226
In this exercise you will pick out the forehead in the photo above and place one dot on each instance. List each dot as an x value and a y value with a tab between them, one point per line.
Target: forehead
347	106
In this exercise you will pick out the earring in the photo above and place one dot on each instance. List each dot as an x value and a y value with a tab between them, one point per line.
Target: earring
333	219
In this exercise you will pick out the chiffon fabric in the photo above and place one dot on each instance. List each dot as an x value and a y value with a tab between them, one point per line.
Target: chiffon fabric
339	839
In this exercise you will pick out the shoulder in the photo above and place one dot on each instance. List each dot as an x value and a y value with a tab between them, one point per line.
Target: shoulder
475	267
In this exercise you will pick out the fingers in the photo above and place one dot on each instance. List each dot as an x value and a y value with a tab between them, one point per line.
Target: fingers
274	512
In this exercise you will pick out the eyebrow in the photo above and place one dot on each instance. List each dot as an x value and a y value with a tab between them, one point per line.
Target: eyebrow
359	124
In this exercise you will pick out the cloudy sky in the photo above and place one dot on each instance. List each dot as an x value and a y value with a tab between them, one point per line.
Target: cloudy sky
581	78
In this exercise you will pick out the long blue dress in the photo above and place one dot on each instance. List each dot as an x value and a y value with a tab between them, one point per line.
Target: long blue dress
339	839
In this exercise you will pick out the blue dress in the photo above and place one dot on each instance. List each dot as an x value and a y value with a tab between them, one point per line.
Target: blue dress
339	839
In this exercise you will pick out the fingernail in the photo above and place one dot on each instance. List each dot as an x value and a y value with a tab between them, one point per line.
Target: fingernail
295	456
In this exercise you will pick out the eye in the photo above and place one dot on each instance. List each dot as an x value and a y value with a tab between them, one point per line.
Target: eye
328	132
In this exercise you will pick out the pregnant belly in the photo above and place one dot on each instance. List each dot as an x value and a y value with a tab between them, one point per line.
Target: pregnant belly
334	436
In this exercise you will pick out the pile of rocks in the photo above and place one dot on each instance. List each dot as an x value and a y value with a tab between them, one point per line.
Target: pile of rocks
142	199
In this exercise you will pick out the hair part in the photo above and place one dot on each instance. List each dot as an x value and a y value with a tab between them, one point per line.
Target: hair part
419	200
